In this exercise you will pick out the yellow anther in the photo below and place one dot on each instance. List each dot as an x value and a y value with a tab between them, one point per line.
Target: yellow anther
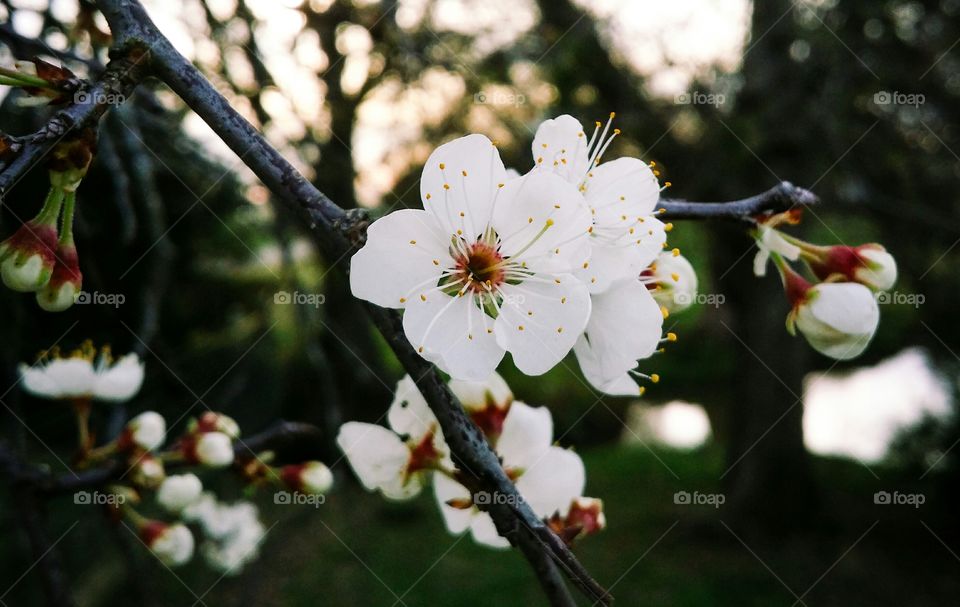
675	252
671	337
655	378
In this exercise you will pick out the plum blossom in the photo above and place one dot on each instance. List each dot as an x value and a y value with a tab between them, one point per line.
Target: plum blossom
868	264
145	431
621	195
486	268
233	532
84	374
625	326
674	281
311	477
179	491
548	478
838	319
396	461
172	544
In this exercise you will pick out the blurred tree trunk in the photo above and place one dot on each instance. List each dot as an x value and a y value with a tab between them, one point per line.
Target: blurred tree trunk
768	478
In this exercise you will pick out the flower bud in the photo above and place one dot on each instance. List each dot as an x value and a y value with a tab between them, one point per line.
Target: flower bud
148	472
212	449
69	161
487	402
172	544
585	517
837	319
145	431
868	264
179	491
65	282
308	477
28	258
673	281
212	421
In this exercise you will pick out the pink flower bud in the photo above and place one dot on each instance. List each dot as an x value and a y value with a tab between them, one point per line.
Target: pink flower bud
308	477
65	282
172	544
868	264
28	258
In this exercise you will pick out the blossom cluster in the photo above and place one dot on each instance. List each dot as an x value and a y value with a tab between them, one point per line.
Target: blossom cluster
231	533
400	460
565	257
41	256
838	312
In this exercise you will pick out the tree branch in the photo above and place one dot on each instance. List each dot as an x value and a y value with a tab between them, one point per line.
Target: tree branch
782	197
338	233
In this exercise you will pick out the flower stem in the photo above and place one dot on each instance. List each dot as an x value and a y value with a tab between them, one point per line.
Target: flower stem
81	408
51	207
14	78
66	227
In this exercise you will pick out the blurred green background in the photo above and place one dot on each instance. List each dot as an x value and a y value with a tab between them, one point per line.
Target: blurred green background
854	99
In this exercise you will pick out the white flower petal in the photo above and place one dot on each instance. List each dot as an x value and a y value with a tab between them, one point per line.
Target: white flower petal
539	321
379	458
445	489
622	186
409	413
625	326
521	215
475	395
447	192
839	319
454	333
404	250
121	381
60	378
484	531
560	145
551	483
527	434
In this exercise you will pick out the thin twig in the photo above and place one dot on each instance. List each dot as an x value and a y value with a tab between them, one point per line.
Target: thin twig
782	197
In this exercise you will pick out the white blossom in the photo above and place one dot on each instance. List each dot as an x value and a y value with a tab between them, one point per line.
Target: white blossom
837	319
396	461
179	491
172	544
548	478
622	196
83	375
147	430
486	267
